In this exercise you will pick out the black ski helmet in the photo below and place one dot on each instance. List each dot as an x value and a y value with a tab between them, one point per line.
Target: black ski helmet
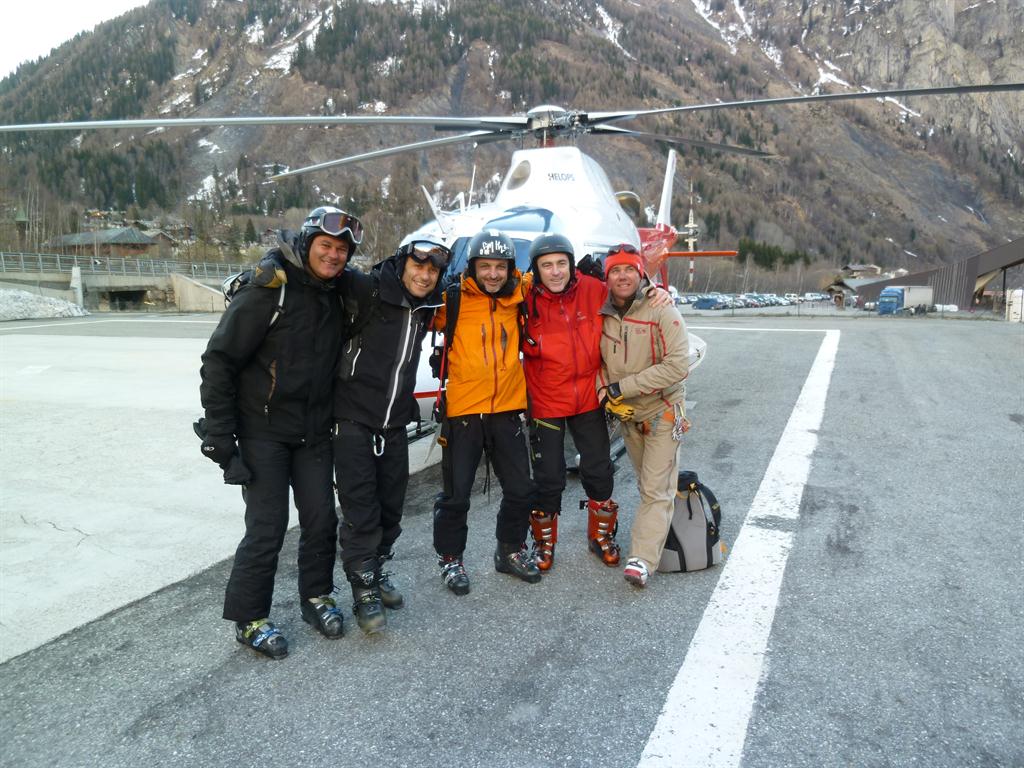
552	243
329	220
491	244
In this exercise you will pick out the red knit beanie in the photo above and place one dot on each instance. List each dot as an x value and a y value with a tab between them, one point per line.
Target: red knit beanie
624	254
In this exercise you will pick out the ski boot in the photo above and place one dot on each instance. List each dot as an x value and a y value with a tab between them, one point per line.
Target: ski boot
636	572
366	604
323	614
515	560
389	594
544	528
453	574
263	637
602	524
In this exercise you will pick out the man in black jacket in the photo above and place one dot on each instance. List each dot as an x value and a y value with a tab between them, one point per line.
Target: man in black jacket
389	312
267	379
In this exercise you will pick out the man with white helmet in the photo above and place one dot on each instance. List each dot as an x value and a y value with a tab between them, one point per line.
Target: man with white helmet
390	311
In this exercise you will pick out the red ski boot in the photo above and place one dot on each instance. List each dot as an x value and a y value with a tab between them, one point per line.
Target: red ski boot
602	524
544	528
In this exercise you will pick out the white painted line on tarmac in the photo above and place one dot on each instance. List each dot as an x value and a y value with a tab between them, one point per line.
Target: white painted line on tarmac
757	330
708	708
57	324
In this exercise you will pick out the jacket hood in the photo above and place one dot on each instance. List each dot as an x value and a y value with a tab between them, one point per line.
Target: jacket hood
288	244
392	289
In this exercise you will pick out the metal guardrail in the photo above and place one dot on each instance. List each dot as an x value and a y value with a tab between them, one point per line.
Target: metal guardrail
109	265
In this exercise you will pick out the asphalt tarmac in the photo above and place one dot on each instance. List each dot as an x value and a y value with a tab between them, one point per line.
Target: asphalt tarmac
893	636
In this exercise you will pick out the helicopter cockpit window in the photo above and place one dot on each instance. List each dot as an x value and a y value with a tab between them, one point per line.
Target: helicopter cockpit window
519	175
523	219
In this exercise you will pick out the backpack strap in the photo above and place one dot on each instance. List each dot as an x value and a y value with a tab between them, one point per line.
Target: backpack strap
452	299
234	283
716	509
279	310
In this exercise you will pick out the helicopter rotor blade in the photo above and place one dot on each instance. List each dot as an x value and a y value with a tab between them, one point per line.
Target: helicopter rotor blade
611	130
599	118
438	123
474	136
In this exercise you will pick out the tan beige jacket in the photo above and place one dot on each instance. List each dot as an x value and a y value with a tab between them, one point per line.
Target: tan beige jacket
647	352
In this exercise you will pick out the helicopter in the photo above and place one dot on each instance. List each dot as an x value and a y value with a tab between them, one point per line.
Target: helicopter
551	187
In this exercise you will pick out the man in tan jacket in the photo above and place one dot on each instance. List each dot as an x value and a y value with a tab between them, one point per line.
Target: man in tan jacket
644	352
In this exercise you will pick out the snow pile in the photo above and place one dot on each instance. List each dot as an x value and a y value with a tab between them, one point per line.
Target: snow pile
22	305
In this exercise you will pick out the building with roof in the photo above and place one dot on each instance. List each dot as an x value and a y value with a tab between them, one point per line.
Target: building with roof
118	242
961	283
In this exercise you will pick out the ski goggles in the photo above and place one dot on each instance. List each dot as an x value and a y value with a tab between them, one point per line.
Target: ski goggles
338	223
423	251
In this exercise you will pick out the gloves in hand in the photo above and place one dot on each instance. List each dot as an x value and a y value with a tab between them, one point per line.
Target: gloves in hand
620	410
615	404
588	265
219	449
236	473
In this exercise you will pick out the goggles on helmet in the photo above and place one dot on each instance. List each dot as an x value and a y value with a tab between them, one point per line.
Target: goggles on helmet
423	251
623	248
337	223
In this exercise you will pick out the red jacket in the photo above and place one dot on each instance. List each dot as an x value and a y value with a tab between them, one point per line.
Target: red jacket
565	355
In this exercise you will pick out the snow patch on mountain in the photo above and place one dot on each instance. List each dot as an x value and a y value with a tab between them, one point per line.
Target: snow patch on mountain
612	29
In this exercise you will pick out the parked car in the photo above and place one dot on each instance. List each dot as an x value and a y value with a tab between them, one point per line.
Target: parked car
709	302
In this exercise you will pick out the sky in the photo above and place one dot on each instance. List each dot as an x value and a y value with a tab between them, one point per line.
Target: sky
30	32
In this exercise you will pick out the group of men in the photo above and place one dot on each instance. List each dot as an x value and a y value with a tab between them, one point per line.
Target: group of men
310	376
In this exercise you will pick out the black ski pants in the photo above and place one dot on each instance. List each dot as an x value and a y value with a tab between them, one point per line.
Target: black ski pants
465	439
275	466
547	440
372	472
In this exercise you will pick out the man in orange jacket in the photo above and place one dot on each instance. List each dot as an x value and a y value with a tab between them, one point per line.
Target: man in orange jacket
484	404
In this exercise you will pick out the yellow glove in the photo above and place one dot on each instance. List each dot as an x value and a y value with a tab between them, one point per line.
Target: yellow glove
615	404
620	410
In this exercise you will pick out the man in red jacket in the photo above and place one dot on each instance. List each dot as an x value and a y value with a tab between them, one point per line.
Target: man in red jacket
562	355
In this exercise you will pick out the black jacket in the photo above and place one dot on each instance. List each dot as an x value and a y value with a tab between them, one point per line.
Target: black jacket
377	374
274	382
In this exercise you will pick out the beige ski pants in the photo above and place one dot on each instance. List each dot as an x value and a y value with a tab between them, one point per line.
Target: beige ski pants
655	459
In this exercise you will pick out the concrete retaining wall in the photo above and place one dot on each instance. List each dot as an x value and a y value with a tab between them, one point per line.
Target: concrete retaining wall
40	290
192	296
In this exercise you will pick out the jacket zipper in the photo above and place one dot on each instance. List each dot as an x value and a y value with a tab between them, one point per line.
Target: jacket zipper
494	353
398	369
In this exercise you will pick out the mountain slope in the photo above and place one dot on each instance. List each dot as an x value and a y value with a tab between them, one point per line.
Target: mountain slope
926	180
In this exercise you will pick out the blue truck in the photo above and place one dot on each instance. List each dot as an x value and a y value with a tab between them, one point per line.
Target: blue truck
915	299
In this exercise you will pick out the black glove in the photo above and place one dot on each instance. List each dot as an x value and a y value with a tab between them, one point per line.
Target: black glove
613	393
588	265
236	473
219	449
435	361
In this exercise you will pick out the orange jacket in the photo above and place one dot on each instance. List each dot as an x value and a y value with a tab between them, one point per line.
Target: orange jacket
484	372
